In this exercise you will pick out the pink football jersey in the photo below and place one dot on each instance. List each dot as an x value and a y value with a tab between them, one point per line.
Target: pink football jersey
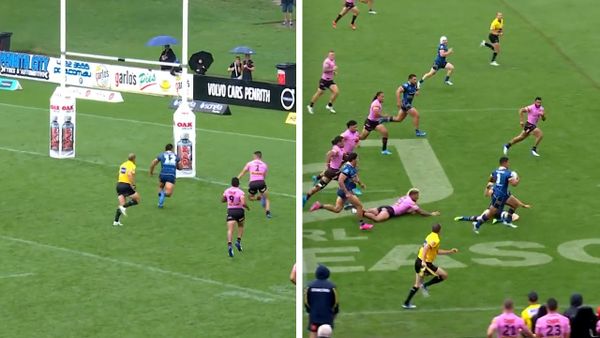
257	169
404	205
508	325
552	325
233	195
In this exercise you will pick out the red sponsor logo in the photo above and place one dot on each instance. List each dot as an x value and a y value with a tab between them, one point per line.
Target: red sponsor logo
184	124
67	108
54	107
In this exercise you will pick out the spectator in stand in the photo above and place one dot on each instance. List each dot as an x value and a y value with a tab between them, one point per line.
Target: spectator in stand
576	302
287	7
236	68
531	310
168	55
247	68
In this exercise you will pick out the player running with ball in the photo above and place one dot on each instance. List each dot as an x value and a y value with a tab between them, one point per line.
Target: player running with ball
169	163
347	182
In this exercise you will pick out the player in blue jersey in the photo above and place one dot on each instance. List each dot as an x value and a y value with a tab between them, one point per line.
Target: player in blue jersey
440	63
347	181
404	98
501	215
169	163
502	178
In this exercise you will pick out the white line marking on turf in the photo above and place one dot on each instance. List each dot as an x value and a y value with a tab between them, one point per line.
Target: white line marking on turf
396	312
156	124
16	275
250	292
206	180
238	294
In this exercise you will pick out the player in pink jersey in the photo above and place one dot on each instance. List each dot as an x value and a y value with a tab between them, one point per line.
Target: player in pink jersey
507	324
349	5
373	122
329	71
333	162
553	325
406	204
258	172
236	203
351	136
534	112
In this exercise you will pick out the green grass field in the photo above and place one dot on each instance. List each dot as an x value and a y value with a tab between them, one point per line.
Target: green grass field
548	50
66	271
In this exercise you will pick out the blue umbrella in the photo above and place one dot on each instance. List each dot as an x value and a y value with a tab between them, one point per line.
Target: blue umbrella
242	50
161	40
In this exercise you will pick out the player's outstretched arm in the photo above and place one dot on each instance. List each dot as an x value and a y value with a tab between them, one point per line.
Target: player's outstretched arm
447	252
243	172
427	213
152	166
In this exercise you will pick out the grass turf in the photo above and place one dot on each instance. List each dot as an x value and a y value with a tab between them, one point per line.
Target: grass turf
546	51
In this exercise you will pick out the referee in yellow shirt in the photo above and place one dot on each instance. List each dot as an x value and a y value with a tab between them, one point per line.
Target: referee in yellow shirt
424	265
531	311
495	34
126	188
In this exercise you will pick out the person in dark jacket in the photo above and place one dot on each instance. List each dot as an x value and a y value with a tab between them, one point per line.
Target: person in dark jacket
321	301
247	68
576	302
167	55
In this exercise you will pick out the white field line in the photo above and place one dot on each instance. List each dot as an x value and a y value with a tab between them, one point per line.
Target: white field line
249	291
156	124
417	311
17	275
206	180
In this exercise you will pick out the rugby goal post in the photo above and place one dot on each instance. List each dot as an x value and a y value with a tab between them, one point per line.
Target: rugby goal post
63	102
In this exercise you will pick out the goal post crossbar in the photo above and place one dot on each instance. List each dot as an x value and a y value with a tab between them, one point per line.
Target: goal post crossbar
121	59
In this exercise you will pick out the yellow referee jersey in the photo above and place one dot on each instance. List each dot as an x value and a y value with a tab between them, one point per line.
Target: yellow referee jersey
433	240
124	169
528	314
497	25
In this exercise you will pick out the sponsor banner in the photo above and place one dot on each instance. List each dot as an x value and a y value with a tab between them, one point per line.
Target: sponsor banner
9	84
23	65
203	107
93	75
96	95
291	119
184	135
62	124
244	93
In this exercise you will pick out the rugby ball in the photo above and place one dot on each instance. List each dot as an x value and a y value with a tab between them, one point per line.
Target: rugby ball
514	175
353	210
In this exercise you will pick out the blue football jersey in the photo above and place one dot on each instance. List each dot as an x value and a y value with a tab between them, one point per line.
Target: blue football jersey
501	177
168	162
409	92
350	173
439	58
